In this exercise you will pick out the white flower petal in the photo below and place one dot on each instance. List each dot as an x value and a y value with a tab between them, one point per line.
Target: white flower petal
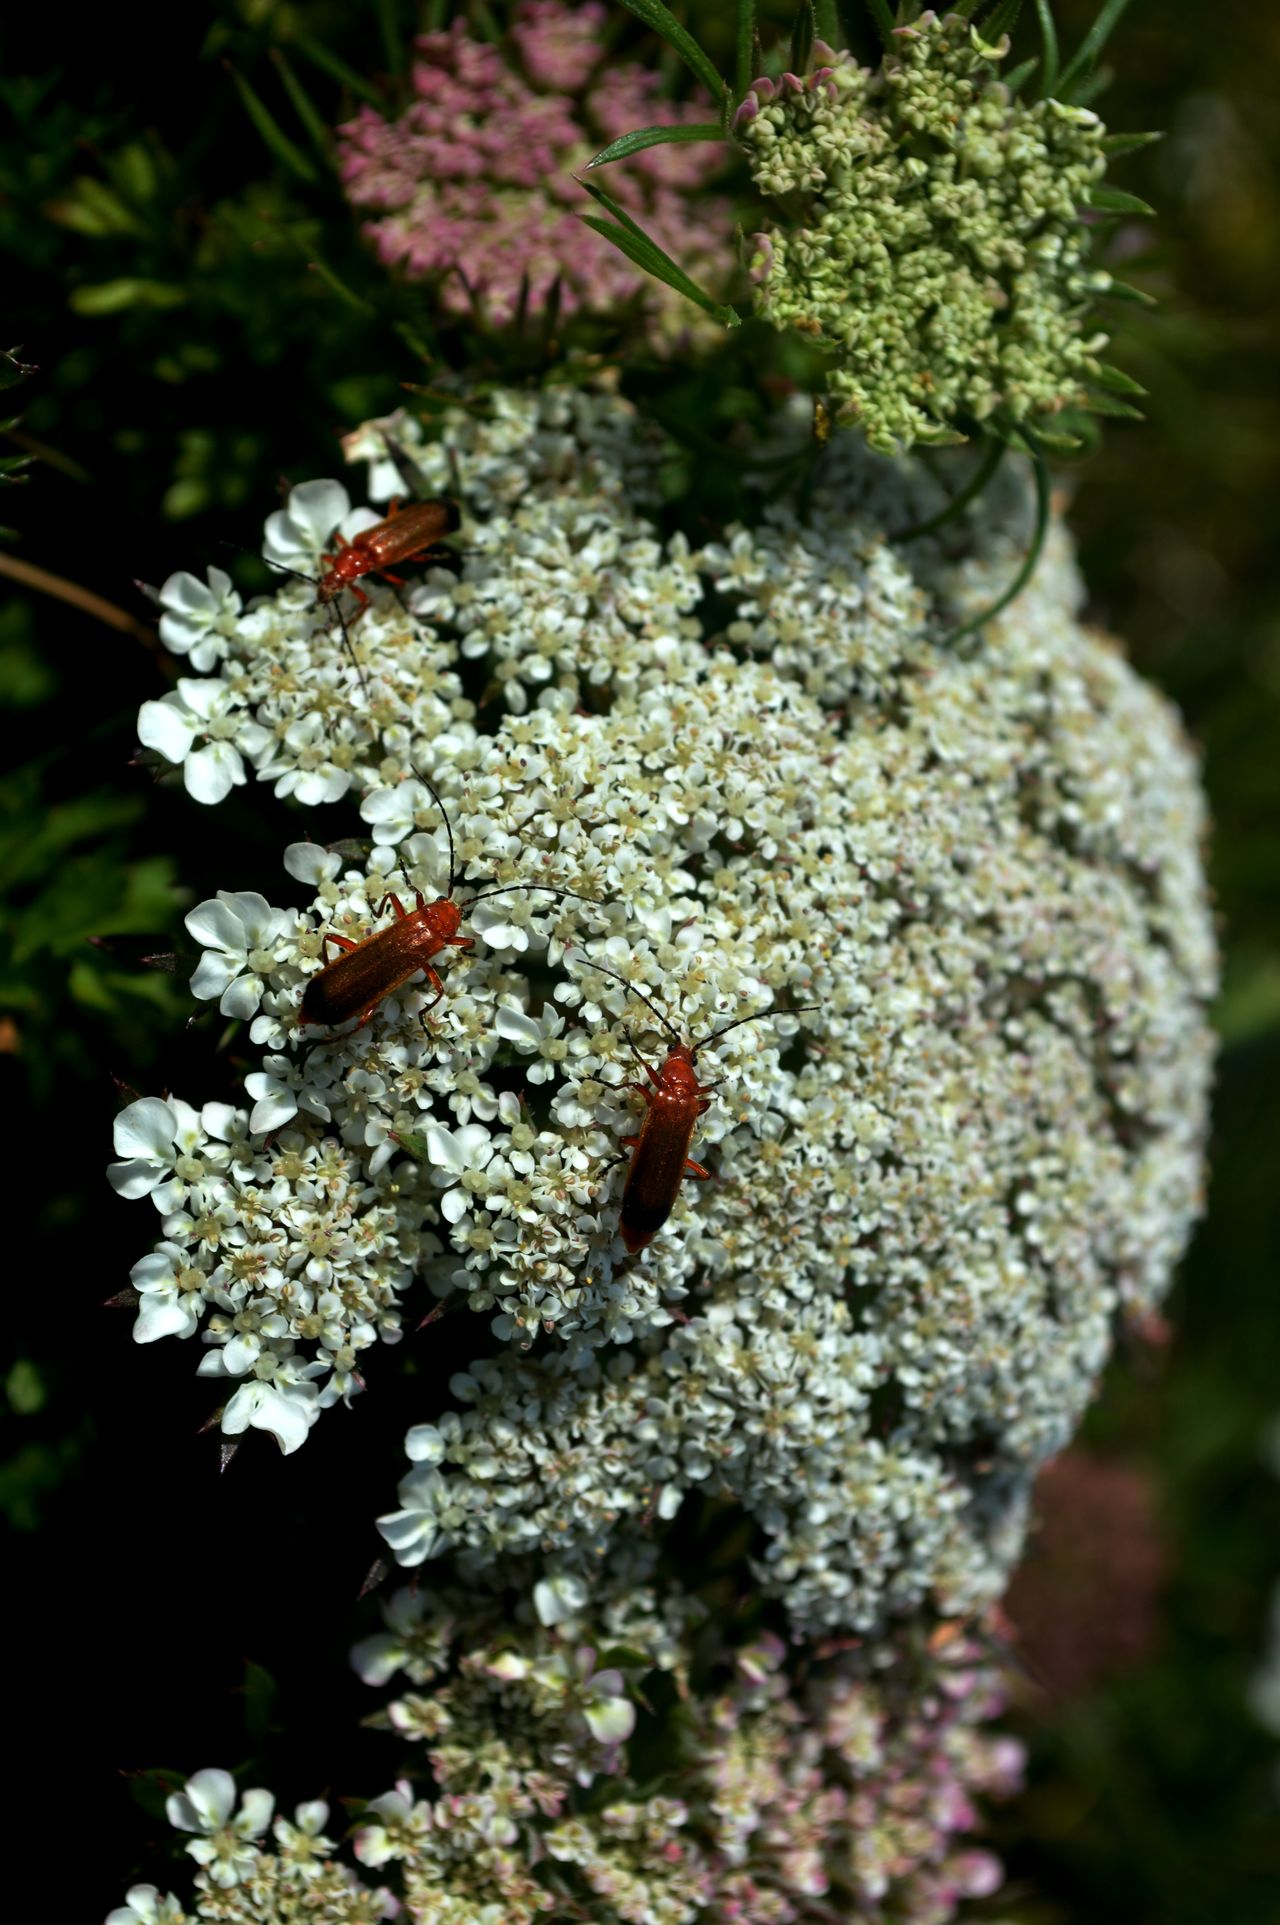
162	726
146	1129
211	773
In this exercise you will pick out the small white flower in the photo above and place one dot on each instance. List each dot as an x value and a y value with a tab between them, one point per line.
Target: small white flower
144	1905
207	712
286	1410
414	1531
169	1147
455	1155
199	621
297	537
242	937
225	1848
172	1295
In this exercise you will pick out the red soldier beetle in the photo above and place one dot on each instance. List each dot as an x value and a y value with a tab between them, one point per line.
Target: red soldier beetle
368	971
408	533
674	1100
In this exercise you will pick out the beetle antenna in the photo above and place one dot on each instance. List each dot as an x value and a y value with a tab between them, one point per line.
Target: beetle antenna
639	992
313	582
503	888
434	793
757	1017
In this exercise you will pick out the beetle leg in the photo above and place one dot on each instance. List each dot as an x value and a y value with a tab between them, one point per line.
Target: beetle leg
339	942
436	984
397	581
460	942
695	1169
380	907
640	1090
628	1142
648	1068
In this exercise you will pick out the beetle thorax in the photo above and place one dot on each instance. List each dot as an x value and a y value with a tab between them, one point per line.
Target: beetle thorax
678	1072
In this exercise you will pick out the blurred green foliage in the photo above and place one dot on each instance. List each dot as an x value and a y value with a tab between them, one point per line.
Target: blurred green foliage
194	319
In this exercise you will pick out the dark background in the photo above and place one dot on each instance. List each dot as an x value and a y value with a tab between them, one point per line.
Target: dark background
155	256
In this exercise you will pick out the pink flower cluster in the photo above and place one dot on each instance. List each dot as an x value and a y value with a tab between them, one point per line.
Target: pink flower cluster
473	184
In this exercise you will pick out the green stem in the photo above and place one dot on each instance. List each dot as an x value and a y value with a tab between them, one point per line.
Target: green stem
975	485
1040	470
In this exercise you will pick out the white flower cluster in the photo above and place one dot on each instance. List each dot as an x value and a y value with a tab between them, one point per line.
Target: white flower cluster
932	1193
779	1789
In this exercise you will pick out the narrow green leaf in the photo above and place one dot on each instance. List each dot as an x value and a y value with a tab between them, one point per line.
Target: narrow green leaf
664	22
1114	144
1108	405
1092	87
1002	19
1018	76
1056	442
1048	49
338	286
1117	380
743	67
656	137
802	38
302	103
111	297
1112	200
274	137
826	20
1080	65
1028	568
882	13
1124	291
319	55
392	38
652	259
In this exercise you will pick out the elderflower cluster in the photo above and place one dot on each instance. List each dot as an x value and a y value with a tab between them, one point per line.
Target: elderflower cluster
933	240
961	887
779	1791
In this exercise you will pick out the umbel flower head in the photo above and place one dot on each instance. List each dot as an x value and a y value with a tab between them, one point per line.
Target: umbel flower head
472	186
932	238
775	1792
933	1196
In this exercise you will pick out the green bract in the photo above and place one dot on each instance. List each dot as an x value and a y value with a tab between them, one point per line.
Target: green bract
929	236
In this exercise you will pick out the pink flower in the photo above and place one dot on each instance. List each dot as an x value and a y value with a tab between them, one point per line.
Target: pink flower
473	187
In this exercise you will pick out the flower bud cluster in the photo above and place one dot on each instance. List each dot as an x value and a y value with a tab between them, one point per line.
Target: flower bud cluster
932	239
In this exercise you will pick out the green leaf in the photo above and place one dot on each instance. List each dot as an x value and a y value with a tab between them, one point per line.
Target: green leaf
631	239
1114	144
802	38
1124	291
1117	380
274	137
826	20
745	47
664	22
392	37
1018	76
1056	442
656	137
1112	200
319	55
1118	410
110	297
1002	19
1078	68
882	14
92	208
1048	48
303	105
